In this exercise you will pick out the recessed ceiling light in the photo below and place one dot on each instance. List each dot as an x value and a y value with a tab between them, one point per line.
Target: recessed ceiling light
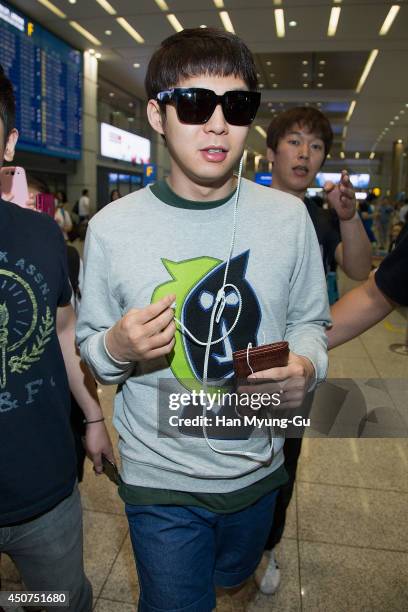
258	74
174	22
136	65
261	85
307	104
131	119
402	112
357	155
328	156
54	9
322	62
272	74
320	75
388	21
305	84
108	32
275	85
386	129
130	105
399	141
203	26
305	75
305	63
72	1
270	104
320	84
319	104
342	155
111	94
98	55
91	51
396	117
107	7
392	123
269	63
293	24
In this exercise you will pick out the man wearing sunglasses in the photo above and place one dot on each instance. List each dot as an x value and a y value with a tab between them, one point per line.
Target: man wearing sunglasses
177	277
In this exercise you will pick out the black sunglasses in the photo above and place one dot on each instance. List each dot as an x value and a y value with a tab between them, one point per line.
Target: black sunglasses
195	105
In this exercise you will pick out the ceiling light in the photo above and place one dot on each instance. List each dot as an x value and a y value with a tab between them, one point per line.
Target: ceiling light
203	26
320	84
305	62
293	24
386	129
280	23
91	51
72	1
328	156
272	74
270	104
136	65
108	32
226	21
258	74
107	7
367	68
111	94
261	85
305	75
85	33
219	3
372	155
275	85
334	20
344	133
399	141
392	123
342	156
322	62
396	117
305	84
402	112
131	119
388	21
357	155
350	110
175	23
319	104
269	63
320	75
130	105
260	131
98	55
54	9
162	5
130	30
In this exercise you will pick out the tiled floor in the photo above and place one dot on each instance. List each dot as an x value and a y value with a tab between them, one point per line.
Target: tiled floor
345	547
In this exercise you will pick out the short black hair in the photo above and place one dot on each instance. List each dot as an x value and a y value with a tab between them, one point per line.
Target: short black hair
85	192
197	51
7	104
305	116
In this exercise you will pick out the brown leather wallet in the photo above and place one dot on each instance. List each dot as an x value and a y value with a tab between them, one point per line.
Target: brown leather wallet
262	357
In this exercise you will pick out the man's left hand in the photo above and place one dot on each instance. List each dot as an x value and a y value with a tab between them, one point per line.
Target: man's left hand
292	381
342	197
98	443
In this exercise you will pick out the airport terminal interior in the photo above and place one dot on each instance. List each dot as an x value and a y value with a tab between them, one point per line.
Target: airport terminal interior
79	67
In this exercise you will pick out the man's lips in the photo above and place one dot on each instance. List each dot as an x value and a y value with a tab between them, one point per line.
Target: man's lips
301	170
214	154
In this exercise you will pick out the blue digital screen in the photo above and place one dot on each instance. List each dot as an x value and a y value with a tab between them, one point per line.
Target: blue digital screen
263	178
47	77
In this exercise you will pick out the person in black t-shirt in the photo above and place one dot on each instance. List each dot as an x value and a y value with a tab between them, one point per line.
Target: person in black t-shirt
369	303
40	512
298	142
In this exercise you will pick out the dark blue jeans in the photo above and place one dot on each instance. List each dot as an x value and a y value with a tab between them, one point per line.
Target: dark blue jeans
183	552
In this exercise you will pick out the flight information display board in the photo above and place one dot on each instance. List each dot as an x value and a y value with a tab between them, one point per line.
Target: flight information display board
47	77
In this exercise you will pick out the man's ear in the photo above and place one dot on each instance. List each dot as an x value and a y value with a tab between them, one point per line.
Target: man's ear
270	155
155	116
11	145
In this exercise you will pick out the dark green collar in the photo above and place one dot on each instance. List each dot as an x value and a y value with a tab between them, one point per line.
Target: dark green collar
162	191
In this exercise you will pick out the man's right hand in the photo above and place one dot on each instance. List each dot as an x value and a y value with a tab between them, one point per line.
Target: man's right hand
143	334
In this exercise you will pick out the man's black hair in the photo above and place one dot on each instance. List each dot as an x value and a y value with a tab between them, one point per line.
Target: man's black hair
199	51
7	104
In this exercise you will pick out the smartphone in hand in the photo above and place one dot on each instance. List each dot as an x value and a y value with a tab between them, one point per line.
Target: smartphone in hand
13	185
111	470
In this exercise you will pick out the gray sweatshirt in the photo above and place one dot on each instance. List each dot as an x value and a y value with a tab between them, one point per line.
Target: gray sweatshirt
139	249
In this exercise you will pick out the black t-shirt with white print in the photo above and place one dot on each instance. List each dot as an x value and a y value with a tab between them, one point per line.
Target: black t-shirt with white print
37	457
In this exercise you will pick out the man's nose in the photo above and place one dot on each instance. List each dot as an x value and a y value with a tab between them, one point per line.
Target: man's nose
217	122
